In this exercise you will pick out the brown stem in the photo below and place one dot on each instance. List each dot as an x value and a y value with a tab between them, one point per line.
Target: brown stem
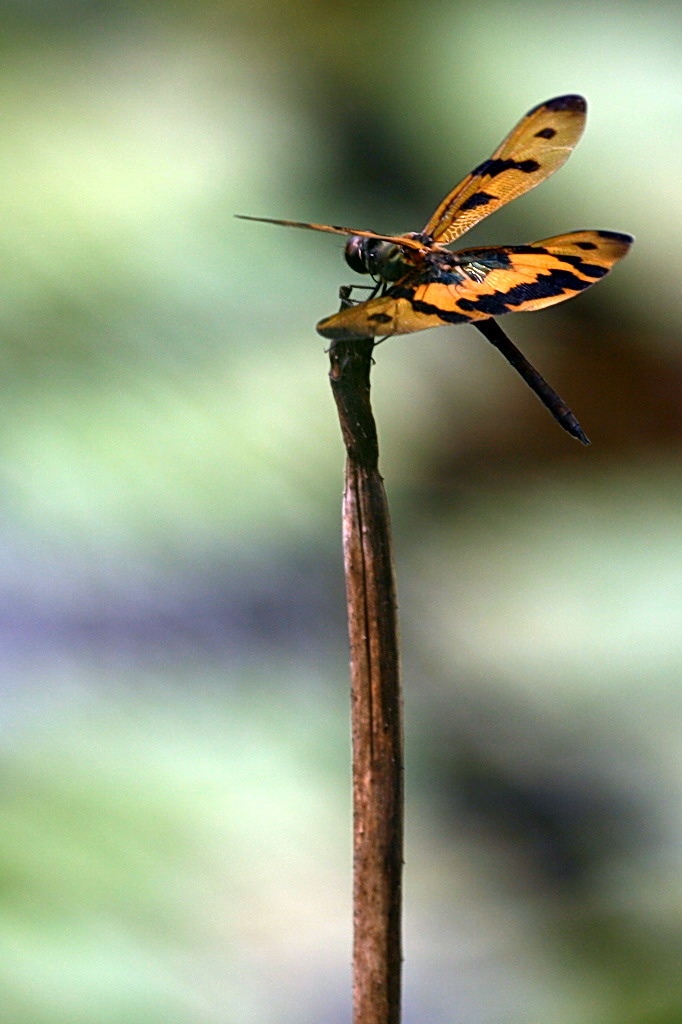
376	701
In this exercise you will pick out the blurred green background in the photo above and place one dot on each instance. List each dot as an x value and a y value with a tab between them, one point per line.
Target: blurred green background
175	819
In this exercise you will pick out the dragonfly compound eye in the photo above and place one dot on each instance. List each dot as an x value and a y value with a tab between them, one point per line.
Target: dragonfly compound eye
356	254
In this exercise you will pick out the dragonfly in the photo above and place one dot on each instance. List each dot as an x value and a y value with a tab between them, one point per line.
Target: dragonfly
420	283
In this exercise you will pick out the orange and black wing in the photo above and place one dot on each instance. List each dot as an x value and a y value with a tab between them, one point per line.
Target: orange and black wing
539	144
405	241
476	284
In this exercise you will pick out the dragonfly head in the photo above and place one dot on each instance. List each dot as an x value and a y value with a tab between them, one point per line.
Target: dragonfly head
381	259
368	255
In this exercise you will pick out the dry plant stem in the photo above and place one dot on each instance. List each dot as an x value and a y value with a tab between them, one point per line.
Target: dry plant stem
376	701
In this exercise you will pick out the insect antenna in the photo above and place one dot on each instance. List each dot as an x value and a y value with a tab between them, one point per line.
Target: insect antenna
555	405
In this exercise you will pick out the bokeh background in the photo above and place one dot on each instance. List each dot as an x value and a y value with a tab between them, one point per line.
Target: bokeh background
174	807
